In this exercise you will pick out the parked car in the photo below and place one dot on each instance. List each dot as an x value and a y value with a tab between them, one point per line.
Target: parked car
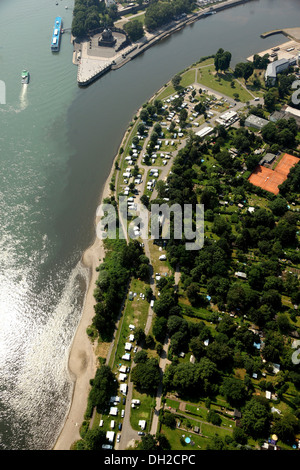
118	437
141	433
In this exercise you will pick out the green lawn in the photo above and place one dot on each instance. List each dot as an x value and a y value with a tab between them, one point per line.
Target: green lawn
167	91
142	411
188	78
177	436
221	83
135	312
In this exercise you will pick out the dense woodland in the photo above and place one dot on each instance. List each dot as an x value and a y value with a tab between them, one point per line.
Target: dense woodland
89	15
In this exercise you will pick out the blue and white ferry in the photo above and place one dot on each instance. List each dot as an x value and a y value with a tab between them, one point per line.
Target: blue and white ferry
55	42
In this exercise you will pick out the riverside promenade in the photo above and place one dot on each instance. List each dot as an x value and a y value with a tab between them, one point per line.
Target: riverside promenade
94	63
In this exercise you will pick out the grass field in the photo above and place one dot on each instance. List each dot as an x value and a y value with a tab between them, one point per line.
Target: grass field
221	83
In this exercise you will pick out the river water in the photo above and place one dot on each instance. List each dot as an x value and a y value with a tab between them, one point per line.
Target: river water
57	144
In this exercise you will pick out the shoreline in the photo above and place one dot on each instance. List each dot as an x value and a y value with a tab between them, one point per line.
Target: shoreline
82	362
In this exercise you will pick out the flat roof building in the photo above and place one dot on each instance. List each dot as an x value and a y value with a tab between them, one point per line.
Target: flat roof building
267	159
204	131
255	121
276	67
292	113
227	118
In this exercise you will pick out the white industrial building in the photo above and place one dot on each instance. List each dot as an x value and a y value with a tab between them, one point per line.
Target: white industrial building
227	118
204	131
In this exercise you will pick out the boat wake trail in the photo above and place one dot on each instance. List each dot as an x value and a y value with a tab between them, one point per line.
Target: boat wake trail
23	97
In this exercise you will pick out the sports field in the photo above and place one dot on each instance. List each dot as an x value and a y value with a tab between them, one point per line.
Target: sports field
269	179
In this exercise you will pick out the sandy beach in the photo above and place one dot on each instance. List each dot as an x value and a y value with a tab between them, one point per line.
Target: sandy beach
82	358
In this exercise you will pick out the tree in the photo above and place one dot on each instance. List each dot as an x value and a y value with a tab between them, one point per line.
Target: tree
148	442
148	294
183	114
176	81
270	99
239	436
163	305
103	387
78	24
159	328
169	420
244	70
176	323
220	354
139	335
256	418
193	293
179	342
286	426
92	21
236	297
94	439
234	391
260	62
214	418
222	60
278	206
144	115
197	347
141	357
248	70
146	376
184	378
134	29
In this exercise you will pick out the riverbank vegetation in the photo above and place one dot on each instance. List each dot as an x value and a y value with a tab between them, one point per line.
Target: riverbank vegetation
121	262
162	12
89	15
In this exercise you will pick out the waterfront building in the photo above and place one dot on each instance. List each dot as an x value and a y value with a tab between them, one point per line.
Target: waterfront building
276	67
